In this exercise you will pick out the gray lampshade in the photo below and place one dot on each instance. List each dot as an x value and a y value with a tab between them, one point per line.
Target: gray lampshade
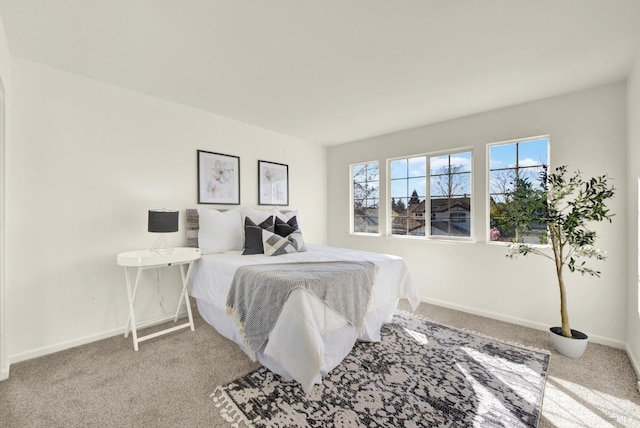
163	221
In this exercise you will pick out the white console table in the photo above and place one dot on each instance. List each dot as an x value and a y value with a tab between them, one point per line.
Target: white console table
142	260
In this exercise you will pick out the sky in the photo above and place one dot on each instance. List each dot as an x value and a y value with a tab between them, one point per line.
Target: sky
528	155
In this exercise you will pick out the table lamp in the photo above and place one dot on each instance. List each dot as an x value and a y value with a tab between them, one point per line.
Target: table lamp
162	221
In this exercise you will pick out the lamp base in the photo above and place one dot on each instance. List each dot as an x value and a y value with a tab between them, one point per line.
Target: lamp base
160	247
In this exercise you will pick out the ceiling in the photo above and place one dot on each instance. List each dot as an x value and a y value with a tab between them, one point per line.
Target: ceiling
333	71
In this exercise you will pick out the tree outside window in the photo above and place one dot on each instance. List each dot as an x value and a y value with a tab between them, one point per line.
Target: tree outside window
516	176
366	198
447	196
450	178
408	183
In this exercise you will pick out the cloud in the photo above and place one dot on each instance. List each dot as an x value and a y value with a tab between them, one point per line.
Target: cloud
442	162
529	162
417	167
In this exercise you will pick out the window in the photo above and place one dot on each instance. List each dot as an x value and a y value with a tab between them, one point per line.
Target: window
450	184
514	164
365	187
447	196
408	184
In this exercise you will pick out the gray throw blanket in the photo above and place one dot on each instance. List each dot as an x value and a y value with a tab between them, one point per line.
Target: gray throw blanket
258	293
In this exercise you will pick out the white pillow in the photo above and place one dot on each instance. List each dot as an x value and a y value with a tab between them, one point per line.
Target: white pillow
219	231
256	215
275	245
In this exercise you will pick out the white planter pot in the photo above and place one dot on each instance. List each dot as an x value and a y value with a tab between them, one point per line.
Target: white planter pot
571	347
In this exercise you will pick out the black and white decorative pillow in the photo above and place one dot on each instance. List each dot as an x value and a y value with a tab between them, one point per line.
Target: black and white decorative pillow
297	240
276	245
283	228
253	235
290	230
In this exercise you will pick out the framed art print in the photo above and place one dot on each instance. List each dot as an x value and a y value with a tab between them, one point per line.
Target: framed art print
273	183
218	178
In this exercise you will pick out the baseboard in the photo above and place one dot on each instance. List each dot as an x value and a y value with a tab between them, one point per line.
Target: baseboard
519	321
61	346
634	362
4	373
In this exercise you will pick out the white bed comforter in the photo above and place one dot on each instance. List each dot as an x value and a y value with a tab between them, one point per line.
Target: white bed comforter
309	339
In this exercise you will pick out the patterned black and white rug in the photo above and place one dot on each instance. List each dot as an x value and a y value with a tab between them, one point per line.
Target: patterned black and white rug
420	374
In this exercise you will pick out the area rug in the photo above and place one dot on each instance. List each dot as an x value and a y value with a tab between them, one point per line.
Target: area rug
420	374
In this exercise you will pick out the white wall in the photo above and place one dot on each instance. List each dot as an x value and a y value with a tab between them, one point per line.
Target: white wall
4	84
86	160
633	165
588	131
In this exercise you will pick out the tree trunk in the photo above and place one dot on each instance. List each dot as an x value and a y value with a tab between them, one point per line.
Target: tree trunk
555	237
564	315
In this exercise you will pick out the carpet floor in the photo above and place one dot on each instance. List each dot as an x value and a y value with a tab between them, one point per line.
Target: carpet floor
168	382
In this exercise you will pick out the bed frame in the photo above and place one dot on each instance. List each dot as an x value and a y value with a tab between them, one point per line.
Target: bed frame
192	227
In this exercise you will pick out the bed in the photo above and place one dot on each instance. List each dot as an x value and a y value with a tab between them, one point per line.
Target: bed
309	338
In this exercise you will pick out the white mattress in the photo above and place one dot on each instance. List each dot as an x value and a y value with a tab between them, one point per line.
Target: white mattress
309	339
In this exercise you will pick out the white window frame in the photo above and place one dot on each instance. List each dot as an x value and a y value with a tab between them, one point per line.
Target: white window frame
488	180
351	200
389	210
427	205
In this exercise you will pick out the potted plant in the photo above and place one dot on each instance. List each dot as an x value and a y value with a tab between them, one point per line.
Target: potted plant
565	206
